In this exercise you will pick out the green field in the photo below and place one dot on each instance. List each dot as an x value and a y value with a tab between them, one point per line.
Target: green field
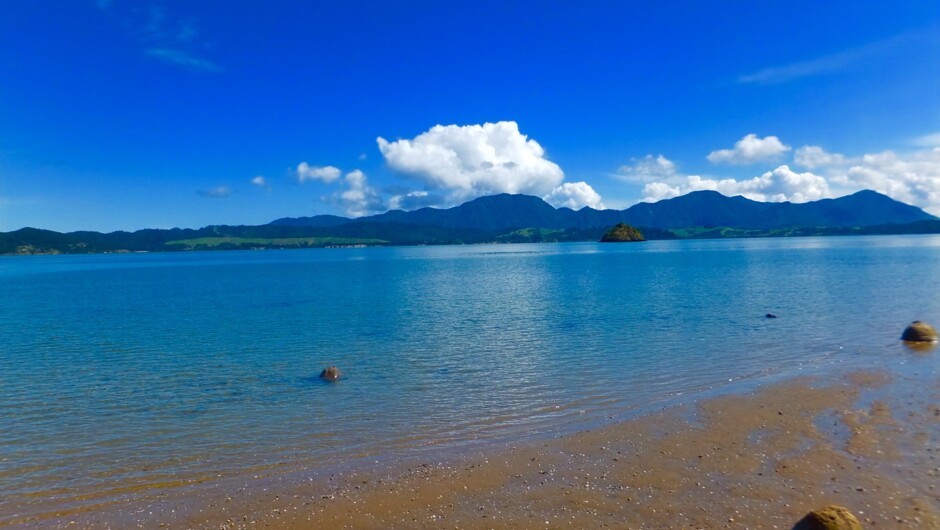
257	242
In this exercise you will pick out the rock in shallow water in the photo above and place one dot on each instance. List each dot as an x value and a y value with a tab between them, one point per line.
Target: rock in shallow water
919	332
831	517
330	373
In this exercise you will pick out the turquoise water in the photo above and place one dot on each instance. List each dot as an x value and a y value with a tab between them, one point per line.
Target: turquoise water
122	371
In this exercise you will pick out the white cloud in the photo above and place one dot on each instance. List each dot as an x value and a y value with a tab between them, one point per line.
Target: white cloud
358	198
750	149
259	181
574	195
219	192
325	174
788	185
647	169
781	184
474	160
913	178
413	200
813	156
928	140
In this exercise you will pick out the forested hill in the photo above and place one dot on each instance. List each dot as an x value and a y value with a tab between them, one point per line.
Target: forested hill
696	209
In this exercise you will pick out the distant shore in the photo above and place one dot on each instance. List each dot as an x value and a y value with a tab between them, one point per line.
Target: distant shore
869	442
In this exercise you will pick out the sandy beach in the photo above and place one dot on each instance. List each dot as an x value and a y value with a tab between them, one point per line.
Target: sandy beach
867	441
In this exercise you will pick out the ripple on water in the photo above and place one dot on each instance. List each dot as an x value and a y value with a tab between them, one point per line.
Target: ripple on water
145	371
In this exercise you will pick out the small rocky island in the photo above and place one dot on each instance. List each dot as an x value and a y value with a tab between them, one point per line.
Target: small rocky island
622	233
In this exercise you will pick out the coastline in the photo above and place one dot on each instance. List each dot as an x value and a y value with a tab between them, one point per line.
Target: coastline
869	440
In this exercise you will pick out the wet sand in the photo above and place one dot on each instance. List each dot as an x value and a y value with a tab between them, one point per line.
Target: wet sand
869	441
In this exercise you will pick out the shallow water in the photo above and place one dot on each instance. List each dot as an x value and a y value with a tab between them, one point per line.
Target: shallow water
121	372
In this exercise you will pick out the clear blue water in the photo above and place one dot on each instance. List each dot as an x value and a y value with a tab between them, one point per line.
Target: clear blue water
140	369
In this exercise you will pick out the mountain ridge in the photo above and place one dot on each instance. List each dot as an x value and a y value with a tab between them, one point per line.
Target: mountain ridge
696	209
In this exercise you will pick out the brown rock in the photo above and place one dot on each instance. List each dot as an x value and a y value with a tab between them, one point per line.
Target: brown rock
330	373
831	517
919	332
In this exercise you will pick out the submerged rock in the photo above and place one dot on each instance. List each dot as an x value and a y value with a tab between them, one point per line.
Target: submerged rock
330	373
831	517
919	332
770	315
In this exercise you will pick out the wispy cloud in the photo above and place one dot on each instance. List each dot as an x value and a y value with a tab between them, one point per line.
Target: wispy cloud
156	18
184	59
163	35
186	31
828	64
789	72
928	140
220	192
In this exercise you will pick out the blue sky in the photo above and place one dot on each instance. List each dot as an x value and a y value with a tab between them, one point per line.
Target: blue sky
127	114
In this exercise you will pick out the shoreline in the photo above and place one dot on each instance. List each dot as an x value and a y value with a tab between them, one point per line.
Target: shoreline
758	459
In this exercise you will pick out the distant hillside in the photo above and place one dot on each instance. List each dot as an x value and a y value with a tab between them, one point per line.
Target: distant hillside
697	209
510	219
710	208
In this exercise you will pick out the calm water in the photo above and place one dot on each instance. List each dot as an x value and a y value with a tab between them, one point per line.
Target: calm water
135	370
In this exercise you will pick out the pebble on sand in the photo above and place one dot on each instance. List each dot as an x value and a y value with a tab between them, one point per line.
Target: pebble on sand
831	517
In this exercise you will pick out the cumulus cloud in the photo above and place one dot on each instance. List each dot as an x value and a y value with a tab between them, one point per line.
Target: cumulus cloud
305	172
219	192
358	198
574	195
749	150
259	181
788	185
781	184
413	200
474	160
647	169
813	156
913	178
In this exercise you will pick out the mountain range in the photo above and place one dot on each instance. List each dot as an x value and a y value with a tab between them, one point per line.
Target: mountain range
511	218
697	209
